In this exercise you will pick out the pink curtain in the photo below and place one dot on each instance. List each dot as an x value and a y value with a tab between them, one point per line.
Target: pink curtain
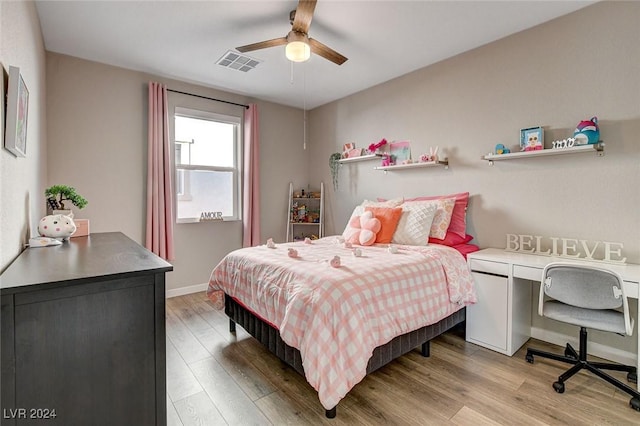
251	190
160	216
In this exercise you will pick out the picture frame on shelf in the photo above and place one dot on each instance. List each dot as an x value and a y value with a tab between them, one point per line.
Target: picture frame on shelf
531	139
349	150
400	151
15	138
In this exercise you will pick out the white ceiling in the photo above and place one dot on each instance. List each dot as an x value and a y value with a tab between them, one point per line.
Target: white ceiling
382	39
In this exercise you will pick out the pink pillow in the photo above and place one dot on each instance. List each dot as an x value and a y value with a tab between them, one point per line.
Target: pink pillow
458	223
362	229
465	249
451	239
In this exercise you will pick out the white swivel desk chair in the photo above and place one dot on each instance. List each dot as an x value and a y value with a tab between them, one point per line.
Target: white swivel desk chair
588	297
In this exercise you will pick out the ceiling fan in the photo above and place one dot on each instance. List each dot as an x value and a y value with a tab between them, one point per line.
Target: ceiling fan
299	45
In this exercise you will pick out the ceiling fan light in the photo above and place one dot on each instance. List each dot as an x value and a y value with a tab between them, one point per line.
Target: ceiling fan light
298	51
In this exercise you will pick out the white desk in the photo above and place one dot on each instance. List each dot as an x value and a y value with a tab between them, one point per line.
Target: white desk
501	320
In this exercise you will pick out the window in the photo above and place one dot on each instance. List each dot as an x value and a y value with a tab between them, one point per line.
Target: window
207	159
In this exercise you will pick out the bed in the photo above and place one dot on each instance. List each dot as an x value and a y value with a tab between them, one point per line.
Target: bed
337	323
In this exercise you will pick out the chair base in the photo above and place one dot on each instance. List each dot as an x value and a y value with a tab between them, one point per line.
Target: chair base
579	362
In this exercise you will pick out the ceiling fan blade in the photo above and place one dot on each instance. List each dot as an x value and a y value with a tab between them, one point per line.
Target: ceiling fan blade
326	52
304	14
263	44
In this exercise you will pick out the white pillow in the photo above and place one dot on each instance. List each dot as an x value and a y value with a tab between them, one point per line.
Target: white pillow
414	225
442	217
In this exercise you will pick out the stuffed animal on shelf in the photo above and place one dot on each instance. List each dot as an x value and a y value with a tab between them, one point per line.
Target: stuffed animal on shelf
431	156
387	160
362	230
501	149
57	226
587	132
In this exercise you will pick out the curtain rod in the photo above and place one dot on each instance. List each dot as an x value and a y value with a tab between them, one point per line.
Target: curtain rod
205	97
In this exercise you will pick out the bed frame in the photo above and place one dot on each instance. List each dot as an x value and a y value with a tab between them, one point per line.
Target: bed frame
382	355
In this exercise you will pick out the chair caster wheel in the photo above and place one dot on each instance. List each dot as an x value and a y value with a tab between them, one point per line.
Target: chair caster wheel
632	377
529	358
635	403
558	387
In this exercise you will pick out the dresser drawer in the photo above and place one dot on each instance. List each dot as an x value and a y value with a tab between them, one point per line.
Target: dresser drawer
489	267
527	272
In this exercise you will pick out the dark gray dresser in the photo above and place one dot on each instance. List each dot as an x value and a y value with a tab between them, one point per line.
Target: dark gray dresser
83	334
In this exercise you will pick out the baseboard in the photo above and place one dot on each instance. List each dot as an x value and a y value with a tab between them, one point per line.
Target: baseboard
595	349
181	291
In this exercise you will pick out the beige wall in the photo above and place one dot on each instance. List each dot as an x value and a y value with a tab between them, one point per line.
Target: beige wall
554	75
23	180
98	139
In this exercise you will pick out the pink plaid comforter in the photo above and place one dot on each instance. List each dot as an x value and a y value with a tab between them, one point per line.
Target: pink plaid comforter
336	317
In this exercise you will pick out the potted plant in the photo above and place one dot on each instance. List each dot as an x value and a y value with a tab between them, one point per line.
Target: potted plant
334	166
58	194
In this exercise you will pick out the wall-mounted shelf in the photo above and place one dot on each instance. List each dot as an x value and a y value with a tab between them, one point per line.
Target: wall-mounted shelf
444	163
360	158
597	147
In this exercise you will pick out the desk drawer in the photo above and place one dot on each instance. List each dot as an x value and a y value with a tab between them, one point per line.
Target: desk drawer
489	267
527	272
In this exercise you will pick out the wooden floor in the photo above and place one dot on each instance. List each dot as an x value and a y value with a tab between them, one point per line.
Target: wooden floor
216	378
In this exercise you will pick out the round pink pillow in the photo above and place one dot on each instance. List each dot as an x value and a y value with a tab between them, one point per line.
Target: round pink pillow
362	229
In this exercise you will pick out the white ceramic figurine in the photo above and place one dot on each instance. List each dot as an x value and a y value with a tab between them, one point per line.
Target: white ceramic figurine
57	226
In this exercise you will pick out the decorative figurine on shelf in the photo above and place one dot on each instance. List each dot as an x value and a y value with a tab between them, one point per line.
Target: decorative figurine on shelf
387	160
501	149
564	143
431	156
302	213
374	147
433	153
587	132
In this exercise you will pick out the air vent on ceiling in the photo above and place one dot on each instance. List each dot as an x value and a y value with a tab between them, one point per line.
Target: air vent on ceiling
237	61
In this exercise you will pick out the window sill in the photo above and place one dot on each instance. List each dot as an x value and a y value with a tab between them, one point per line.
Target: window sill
197	220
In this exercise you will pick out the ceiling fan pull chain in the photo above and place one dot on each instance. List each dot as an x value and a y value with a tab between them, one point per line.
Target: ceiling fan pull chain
304	107
291	79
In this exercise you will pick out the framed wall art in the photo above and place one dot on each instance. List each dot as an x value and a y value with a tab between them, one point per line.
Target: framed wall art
400	151
3	104
531	139
15	138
